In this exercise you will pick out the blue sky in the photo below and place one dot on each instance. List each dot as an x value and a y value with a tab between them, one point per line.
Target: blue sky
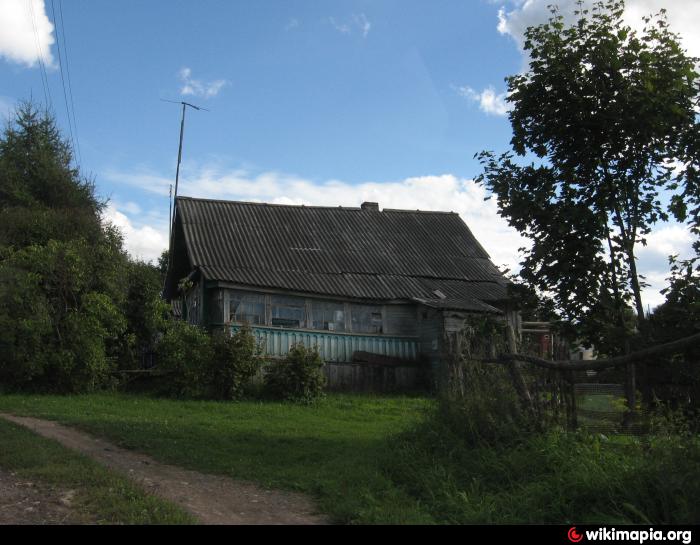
310	102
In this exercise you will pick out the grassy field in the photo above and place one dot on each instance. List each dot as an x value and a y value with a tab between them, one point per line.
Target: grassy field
367	459
101	495
333	450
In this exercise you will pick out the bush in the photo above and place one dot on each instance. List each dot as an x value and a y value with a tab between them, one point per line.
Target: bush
549	478
236	359
184	355
195	364
298	377
56	327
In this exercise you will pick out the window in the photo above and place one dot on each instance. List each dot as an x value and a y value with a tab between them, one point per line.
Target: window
288	311
366	319
246	307
328	316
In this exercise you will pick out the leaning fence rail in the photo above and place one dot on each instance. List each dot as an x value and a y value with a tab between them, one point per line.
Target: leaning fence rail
560	387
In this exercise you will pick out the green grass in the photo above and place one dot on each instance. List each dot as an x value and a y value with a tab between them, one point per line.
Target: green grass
393	459
101	495
555	477
334	450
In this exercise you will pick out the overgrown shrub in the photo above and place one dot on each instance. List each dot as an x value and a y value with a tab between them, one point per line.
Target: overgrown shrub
478	400
235	361
57	327
554	477
194	364
61	266
299	377
184	355
146	313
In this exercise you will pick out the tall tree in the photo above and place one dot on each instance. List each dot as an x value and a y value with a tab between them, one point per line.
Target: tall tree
607	116
61	268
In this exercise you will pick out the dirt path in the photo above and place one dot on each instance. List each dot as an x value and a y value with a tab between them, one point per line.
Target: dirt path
27	502
211	499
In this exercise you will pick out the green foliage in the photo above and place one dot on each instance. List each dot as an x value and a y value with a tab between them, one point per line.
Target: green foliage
604	110
62	291
552	478
533	306
57	327
198	365
162	265
298	377
184	354
236	360
480	403
145	311
679	316
42	195
676	378
489	411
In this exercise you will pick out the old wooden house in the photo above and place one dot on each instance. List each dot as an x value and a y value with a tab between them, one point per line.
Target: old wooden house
370	288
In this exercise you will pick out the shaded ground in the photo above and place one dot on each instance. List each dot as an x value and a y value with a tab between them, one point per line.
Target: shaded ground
211	499
27	502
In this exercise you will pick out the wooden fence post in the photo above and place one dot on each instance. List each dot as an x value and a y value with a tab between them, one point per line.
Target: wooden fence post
516	375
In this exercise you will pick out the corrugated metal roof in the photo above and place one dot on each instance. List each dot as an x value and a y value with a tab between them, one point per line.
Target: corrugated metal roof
348	252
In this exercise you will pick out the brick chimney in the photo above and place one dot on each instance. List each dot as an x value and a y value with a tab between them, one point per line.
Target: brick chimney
373	206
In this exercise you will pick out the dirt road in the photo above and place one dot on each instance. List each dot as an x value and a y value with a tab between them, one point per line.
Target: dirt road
211	499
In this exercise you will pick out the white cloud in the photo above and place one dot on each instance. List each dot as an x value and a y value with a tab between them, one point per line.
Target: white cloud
683	17
293	23
26	33
343	28
362	24
358	22
145	242
199	88
489	101
665	240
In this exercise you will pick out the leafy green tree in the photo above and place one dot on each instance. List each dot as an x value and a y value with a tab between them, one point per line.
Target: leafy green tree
604	113
679	316
57	330
42	194
145	312
61	268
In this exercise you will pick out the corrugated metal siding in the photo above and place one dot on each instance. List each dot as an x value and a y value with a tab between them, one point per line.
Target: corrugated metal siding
333	347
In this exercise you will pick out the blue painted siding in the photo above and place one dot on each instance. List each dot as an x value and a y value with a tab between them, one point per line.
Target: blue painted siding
333	347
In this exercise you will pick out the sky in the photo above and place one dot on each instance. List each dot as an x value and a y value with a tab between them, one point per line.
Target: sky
307	102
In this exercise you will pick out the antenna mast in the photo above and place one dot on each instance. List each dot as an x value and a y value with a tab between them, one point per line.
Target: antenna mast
177	174
182	133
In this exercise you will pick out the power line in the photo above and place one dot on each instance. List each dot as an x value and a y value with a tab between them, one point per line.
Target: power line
40	56
70	87
63	81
